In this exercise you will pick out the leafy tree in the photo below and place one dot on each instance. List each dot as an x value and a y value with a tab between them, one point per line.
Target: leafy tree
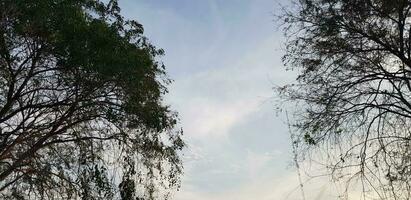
353	59
81	111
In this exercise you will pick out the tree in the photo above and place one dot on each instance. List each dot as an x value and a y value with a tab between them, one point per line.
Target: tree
353	59
81	110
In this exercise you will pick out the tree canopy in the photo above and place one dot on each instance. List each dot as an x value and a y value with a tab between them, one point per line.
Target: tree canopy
353	59
81	109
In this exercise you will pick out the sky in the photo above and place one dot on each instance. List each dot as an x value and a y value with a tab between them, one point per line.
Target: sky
225	58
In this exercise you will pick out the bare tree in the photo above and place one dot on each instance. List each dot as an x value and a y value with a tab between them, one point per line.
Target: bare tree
353	58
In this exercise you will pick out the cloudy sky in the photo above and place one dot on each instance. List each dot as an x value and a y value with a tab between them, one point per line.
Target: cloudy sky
225	58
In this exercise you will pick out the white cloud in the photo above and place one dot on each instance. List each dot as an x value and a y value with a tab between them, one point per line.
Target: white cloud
204	118
255	163
274	187
270	188
212	101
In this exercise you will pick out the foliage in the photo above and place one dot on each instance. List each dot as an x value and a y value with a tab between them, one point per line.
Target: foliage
81	111
353	58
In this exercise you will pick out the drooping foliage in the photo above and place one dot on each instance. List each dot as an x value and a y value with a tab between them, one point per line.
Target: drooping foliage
353	59
81	110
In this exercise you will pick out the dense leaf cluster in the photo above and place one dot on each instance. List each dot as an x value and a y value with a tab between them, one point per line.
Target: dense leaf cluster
81	111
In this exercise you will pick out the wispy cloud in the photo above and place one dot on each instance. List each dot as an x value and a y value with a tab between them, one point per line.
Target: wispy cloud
222	56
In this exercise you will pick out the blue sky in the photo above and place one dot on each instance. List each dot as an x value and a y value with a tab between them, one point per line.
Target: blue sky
225	58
